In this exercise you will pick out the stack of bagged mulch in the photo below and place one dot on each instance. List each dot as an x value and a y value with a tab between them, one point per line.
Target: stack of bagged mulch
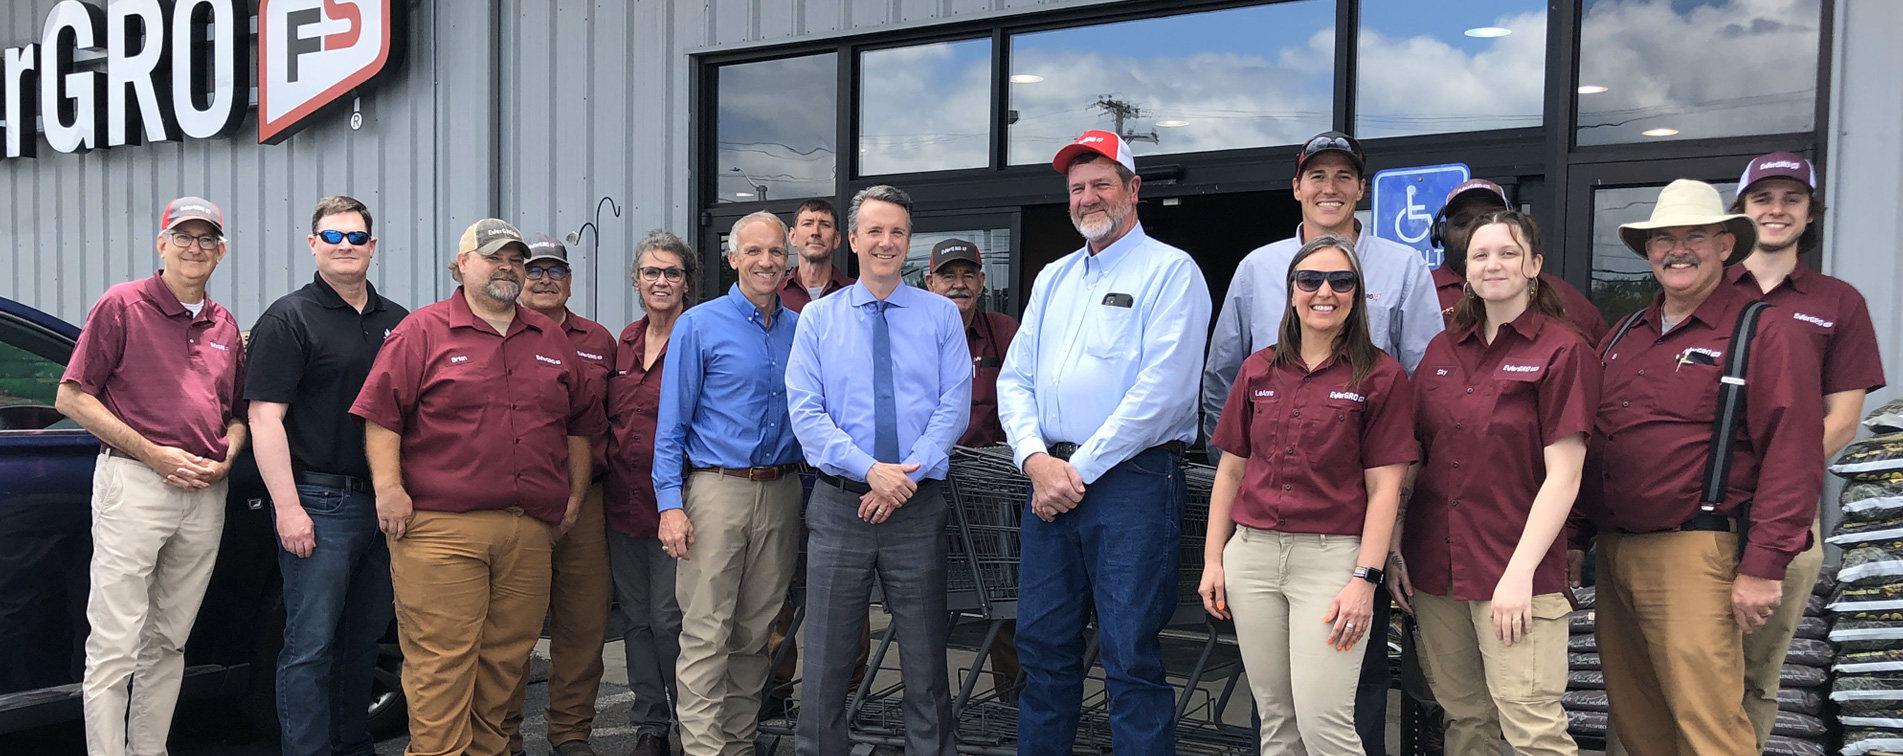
1801	729
1868	690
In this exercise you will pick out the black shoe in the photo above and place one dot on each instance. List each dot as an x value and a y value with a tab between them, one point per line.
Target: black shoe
774	707
649	744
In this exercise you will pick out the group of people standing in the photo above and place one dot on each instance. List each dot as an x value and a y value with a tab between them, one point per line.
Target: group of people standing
1384	432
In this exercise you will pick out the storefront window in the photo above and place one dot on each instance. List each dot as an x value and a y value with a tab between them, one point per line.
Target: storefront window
1622	281
925	108
1221	80
777	122
1447	66
1693	70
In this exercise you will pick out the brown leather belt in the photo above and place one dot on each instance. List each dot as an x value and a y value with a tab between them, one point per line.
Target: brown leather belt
756	474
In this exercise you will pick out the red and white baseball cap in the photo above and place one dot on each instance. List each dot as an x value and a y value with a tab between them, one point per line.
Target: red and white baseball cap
1481	186
191	208
1100	142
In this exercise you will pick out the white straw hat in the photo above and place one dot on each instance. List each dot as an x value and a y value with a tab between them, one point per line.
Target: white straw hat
1692	203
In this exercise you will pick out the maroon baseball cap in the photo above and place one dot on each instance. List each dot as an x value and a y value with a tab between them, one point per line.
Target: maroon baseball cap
1778	165
1332	141
191	208
1478	185
952	250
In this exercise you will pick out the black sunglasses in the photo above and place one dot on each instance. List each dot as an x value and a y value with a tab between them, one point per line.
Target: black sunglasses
1342	281
333	236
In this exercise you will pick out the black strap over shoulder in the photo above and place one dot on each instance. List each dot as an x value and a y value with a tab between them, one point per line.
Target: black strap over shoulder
1724	426
1619	333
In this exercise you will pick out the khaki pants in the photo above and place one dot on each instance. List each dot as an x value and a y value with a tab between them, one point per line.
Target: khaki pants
471	589
1672	656
1764	649
1490	690
153	551
746	540
1279	586
578	596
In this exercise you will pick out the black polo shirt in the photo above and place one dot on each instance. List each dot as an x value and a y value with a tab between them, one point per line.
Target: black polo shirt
312	351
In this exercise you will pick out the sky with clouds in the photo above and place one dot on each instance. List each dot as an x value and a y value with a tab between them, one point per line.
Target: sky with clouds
1263	75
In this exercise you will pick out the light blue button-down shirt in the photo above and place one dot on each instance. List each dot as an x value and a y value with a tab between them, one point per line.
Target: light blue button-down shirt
829	380
723	395
1108	355
1403	311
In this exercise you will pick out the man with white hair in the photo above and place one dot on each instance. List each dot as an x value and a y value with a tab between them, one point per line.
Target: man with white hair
733	522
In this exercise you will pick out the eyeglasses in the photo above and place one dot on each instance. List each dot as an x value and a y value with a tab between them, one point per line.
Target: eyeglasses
554	272
1342	281
651	273
1663	243
182	240
333	236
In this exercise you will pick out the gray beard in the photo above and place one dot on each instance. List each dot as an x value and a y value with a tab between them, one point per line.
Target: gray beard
502	290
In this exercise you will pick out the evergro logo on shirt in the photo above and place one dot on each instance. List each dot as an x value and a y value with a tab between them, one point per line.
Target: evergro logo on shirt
1349	395
1813	320
549	360
595	357
1509	368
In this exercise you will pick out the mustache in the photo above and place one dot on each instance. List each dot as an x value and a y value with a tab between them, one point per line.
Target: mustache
959	294
1675	259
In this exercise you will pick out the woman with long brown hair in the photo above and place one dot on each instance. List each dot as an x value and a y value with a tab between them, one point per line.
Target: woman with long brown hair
1319	432
1503	402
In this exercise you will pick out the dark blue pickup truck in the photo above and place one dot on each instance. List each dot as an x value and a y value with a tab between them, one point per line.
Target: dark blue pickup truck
46	470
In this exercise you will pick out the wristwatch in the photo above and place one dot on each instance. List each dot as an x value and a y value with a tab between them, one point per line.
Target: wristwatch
1370	574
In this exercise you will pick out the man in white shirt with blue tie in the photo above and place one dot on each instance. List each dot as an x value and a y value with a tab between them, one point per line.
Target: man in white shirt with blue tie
1098	399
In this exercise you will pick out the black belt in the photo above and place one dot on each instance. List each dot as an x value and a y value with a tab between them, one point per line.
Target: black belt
843	484
339	482
1703	522
1064	450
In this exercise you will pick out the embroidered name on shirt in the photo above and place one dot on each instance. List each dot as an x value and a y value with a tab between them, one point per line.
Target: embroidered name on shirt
457	358
589	356
217	346
1814	320
549	360
1350	395
1440	371
1520	368
1264	393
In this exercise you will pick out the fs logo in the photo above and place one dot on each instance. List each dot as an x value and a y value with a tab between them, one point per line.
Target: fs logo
311	52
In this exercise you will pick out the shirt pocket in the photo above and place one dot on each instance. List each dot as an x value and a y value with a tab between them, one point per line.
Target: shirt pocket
1113	332
1339	421
551	390
1379	314
1516	406
1689	391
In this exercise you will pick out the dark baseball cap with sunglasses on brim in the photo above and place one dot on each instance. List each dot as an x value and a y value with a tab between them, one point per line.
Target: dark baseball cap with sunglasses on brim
543	247
1332	141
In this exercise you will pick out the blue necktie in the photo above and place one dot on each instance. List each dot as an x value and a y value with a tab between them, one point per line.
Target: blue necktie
885	411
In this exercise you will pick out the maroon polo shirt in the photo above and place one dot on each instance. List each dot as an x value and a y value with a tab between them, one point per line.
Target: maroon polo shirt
634	398
1834	319
989	337
793	294
1484	414
172	377
1653	430
484	417
1580	311
595	353
1309	439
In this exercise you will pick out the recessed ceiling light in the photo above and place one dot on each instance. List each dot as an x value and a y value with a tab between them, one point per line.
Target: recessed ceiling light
1659	132
1591	88
1488	32
1173	123
1026	78
743	194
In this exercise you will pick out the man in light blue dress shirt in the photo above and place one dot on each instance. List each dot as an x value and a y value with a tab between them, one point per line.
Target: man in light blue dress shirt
879	386
733	520
1403	316
1098	399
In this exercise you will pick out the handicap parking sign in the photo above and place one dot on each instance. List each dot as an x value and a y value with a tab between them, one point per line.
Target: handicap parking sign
1406	199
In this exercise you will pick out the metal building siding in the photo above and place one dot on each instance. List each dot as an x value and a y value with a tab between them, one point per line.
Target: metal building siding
72	225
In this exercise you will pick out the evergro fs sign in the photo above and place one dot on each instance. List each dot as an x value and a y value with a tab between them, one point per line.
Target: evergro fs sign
141	71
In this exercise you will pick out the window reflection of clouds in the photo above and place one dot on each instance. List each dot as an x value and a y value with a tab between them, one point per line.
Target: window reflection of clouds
1719	68
994	248
777	125
1243	77
925	108
1419	73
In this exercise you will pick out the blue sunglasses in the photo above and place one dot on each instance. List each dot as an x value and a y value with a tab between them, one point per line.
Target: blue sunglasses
333	236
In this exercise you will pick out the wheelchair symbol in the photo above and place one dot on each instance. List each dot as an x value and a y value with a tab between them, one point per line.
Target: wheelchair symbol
1412	213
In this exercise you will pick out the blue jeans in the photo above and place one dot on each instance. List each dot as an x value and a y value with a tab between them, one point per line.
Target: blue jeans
337	604
1115	553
